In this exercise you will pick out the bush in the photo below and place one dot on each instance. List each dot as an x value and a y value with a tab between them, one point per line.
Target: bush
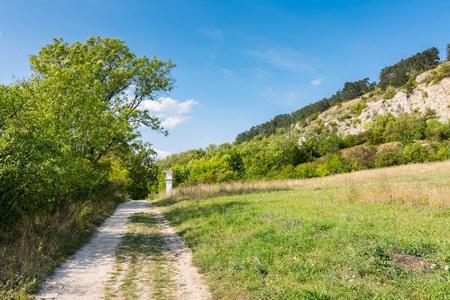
448	52
364	156
389	93
415	153
403	128
410	86
440	73
442	153
333	164
388	158
358	108
306	170
287	173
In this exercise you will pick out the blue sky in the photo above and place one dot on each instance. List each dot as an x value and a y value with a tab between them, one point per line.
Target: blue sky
239	63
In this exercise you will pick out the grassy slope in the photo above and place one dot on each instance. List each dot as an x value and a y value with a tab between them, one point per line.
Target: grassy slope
368	234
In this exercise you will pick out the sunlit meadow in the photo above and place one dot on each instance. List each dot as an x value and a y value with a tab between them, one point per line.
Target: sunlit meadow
374	234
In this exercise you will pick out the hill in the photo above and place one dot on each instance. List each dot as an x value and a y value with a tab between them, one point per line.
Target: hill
362	126
400	74
429	91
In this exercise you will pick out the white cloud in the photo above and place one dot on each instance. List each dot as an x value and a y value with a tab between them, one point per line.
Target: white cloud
282	58
229	73
212	33
317	82
161	154
171	112
172	122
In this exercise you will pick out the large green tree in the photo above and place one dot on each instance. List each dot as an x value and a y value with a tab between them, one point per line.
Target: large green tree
97	88
59	128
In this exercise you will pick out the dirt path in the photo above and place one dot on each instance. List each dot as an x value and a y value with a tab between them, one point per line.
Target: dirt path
94	269
192	286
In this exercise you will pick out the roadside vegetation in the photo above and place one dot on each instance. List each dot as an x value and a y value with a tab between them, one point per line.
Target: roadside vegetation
370	234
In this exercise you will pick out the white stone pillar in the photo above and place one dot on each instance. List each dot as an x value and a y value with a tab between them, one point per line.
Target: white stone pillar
169	179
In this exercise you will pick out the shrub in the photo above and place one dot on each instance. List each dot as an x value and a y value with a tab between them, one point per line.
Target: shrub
333	164
390	157
440	73
306	170
287	173
415	153
358	107
364	156
389	93
448	52
410	86
402	128
442	153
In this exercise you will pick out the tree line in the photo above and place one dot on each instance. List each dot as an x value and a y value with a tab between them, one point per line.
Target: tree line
387	141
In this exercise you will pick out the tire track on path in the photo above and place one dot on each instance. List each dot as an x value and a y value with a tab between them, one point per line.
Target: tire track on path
85	275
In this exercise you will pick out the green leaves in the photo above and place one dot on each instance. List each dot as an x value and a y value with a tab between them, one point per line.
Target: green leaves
80	109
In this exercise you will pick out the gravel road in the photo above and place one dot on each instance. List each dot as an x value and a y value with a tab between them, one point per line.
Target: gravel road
84	275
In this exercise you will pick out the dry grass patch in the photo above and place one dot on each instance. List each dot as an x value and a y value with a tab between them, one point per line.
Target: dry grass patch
412	263
409	193
385	185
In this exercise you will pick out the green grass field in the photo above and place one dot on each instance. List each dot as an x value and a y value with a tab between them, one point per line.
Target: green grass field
387	237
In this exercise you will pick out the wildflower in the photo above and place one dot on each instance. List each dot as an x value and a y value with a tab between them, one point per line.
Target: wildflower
447	267
351	280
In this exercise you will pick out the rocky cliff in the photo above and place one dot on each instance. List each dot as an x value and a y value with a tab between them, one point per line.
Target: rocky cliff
350	117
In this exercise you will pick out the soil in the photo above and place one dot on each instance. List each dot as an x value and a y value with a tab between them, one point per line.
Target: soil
412	263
